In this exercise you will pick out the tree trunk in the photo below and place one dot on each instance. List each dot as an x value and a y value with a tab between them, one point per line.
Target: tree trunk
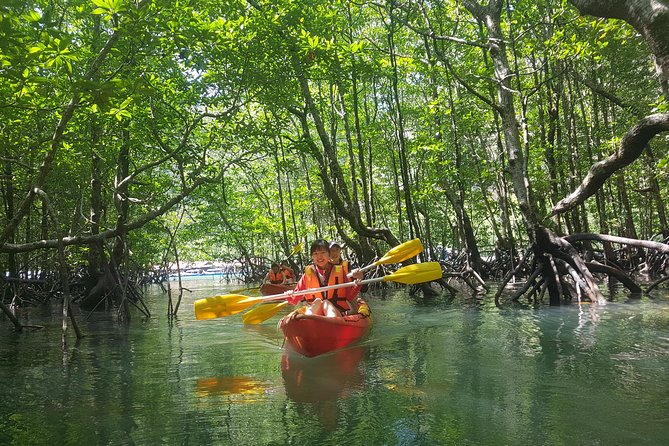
288	179
656	195
600	197
282	210
629	228
400	133
358	132
7	182
458	201
331	173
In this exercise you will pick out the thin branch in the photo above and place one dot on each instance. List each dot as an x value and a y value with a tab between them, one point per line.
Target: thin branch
657	246
630	148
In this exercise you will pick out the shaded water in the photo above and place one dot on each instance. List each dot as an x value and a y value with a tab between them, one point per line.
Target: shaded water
444	372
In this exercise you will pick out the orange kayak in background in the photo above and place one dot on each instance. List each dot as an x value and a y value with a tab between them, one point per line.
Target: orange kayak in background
269	289
312	335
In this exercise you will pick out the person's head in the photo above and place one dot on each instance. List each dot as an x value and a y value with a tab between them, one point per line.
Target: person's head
335	251
275	267
320	253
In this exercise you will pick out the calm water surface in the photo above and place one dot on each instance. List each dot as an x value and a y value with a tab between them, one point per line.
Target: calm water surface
442	372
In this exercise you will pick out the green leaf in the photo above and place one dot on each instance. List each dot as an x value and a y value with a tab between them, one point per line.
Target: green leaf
108	6
32	16
125	103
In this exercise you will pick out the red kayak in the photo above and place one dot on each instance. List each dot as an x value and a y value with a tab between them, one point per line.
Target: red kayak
312	335
269	289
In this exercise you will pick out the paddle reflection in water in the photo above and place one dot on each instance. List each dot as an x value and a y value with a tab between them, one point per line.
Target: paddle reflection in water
248	389
230	385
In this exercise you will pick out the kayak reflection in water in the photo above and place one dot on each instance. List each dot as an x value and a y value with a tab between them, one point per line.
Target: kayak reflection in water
323	381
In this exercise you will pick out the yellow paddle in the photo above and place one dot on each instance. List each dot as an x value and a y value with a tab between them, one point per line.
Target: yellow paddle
398	254
296	249
227	305
260	313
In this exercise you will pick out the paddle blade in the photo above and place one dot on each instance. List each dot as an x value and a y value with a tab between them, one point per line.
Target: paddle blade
416	273
401	252
222	306
261	313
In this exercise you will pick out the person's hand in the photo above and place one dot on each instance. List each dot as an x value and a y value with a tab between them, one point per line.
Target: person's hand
293	300
356	274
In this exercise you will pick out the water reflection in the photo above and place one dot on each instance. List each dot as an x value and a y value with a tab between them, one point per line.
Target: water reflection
588	321
323	380
229	385
268	331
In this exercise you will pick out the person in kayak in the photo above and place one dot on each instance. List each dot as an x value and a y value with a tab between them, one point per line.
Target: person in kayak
288	274
335	256
336	259
275	275
320	273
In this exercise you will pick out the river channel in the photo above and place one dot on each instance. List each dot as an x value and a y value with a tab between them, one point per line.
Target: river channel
432	372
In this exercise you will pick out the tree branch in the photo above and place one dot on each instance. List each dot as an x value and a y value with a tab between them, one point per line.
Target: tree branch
110	233
631	147
661	247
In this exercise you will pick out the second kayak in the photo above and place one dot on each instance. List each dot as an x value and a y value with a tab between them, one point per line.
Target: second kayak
269	289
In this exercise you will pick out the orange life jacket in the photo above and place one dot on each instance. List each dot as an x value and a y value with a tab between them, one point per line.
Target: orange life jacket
288	273
275	277
337	276
344	265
